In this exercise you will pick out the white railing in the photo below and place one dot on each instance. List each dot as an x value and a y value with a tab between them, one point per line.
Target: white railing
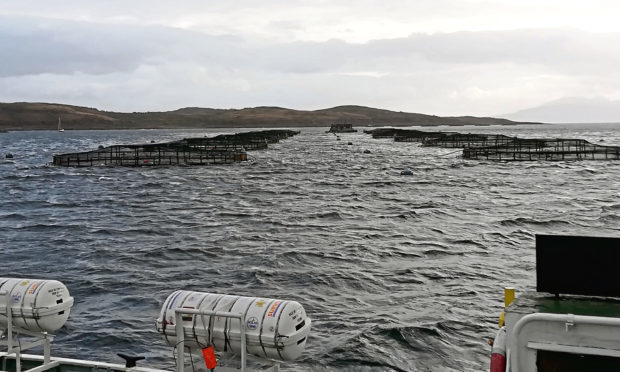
14	346
180	333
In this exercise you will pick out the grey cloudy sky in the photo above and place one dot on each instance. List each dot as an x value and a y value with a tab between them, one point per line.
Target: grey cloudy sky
444	57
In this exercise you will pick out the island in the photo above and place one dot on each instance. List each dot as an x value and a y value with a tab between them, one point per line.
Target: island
45	116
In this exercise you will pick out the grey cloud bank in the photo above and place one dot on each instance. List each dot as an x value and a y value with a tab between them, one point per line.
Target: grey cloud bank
128	66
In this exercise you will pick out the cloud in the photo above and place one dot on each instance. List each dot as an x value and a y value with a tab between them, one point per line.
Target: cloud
36	45
149	67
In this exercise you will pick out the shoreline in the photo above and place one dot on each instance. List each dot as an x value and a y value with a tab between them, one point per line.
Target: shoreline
7	130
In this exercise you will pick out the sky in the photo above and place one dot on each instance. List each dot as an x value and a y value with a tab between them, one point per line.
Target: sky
441	57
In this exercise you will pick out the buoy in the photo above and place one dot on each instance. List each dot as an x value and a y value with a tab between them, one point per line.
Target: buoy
406	172
498	353
9	156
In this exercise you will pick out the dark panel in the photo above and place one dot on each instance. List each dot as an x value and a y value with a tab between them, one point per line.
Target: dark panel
578	265
551	361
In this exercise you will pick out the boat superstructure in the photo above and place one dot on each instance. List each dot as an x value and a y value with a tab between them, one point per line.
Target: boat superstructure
572	322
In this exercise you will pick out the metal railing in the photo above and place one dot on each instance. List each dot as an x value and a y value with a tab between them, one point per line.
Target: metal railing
15	347
180	333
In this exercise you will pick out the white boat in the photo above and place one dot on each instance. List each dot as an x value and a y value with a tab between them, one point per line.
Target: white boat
60	125
227	330
572	322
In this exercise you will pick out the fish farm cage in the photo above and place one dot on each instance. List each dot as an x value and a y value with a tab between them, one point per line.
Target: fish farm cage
503	148
440	139
389	132
543	149
223	149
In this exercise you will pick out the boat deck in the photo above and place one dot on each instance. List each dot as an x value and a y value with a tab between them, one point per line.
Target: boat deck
537	302
67	364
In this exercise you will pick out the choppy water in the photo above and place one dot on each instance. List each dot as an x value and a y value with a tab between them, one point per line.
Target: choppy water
398	273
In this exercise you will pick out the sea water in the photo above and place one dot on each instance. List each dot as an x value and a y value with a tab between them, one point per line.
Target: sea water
398	273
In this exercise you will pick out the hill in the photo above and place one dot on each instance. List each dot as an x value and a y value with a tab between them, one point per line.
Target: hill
44	116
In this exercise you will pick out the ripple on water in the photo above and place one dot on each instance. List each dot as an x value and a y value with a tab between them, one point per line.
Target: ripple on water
397	273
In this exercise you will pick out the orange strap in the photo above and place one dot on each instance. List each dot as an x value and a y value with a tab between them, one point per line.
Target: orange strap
209	356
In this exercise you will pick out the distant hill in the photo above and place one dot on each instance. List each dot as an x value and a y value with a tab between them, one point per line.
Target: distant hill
44	116
572	110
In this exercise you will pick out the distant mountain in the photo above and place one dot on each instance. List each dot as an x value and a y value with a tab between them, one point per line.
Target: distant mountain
572	110
44	116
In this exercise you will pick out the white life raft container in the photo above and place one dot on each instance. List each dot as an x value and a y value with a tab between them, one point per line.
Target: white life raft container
274	329
35	305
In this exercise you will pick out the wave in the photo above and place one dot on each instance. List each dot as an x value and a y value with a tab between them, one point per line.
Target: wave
524	221
397	273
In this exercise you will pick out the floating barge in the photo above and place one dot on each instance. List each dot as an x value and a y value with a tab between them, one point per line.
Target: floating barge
223	149
341	128
498	147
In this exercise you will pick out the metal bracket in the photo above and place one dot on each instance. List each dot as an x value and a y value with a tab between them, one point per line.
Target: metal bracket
570	321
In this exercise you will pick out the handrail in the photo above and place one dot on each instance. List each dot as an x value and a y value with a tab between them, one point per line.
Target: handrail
568	319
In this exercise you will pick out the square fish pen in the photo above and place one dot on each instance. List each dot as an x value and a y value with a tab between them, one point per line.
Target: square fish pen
149	155
412	135
543	149
239	141
221	144
223	149
382	132
264	136
403	135
452	140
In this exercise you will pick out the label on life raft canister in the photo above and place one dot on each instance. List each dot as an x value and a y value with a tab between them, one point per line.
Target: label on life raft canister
252	323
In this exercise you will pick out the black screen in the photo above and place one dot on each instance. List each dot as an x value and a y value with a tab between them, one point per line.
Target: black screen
578	265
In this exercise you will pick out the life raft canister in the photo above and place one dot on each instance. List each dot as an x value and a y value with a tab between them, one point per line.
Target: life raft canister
498	353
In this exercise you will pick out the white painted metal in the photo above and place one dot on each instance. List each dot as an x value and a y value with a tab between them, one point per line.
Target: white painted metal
68	364
273	329
14	345
569	333
180	345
